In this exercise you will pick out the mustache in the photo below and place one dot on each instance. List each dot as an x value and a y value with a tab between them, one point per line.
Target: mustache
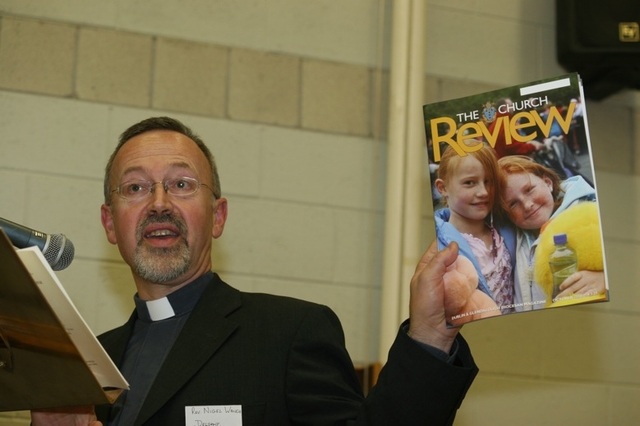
162	218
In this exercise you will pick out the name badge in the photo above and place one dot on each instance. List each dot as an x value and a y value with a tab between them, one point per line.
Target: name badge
213	415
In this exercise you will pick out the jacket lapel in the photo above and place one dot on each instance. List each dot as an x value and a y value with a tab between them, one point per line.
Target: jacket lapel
115	343
204	332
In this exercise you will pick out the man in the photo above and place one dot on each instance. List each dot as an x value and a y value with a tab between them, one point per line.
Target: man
195	344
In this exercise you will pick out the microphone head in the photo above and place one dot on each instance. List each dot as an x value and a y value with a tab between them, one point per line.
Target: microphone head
59	251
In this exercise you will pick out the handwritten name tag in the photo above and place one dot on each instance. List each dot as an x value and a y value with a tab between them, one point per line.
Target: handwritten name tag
213	415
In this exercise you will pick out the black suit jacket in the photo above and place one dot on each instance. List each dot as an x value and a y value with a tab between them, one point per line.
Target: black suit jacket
284	361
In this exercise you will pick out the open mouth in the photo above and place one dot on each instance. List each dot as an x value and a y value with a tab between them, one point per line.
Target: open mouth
161	233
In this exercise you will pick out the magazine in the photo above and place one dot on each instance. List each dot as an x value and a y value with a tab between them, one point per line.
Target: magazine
513	184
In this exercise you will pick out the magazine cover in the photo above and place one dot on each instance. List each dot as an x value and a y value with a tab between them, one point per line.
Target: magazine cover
513	184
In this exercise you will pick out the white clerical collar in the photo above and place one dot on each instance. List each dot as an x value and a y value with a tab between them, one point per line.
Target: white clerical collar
160	309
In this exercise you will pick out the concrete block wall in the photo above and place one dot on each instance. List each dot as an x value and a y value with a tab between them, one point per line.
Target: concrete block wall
290	97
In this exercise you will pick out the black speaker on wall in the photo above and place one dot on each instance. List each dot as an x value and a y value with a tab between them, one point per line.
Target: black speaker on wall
600	39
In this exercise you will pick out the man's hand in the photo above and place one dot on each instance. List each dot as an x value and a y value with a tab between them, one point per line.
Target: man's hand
426	307
68	416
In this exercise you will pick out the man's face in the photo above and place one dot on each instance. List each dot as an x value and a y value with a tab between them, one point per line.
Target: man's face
165	239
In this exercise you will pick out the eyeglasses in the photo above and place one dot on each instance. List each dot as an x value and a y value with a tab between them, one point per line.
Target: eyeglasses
136	190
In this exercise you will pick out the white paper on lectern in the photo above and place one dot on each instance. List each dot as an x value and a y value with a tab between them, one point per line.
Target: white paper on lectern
81	335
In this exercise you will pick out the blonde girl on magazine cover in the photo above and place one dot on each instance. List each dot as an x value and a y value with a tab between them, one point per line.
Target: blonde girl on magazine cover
469	185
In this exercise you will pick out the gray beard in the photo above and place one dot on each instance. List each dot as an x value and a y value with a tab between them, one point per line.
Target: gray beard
161	264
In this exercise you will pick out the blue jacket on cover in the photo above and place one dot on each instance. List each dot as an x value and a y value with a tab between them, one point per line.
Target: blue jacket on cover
446	233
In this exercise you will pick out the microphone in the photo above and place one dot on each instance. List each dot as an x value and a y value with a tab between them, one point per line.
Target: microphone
57	249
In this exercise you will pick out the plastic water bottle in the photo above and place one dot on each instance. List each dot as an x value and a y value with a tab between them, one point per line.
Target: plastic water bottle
563	262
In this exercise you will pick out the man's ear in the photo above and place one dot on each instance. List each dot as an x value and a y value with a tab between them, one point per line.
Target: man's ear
219	217
107	223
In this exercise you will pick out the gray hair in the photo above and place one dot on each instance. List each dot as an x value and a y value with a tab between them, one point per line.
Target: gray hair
161	123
